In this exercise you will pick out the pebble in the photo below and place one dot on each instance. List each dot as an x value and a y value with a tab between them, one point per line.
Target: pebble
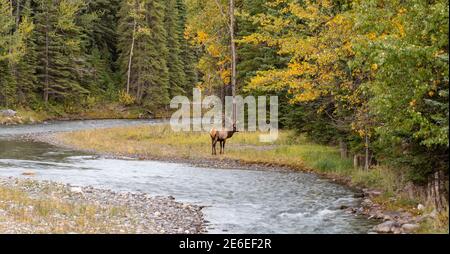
76	189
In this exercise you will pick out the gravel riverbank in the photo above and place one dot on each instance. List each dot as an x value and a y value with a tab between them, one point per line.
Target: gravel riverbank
29	206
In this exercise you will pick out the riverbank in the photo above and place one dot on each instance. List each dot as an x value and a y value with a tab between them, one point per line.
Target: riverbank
104	111
381	190
29	206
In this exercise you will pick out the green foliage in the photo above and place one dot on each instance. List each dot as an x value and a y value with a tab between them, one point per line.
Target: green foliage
177	78
61	59
60	52
408	44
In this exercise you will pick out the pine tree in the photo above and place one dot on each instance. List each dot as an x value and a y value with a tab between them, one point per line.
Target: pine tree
59	45
24	75
6	27
254	58
188	56
143	51
177	78
15	45
102	46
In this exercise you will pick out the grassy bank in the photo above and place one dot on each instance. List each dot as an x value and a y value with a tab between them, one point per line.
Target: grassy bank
25	116
293	151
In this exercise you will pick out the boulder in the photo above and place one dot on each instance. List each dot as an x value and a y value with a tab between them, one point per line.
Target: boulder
385	227
8	113
366	203
409	228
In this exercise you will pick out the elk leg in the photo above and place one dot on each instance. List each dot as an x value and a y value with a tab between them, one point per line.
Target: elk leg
213	146
223	145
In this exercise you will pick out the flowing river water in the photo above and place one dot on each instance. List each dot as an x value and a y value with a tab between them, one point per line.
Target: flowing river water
236	201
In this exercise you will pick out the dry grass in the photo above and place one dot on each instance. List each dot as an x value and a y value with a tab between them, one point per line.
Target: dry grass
436	226
24	117
50	214
162	142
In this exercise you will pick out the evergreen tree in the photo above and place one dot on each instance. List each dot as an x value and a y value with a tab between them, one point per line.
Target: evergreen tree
143	51
6	26
177	78
102	45
24	75
187	53
59	45
254	58
16	81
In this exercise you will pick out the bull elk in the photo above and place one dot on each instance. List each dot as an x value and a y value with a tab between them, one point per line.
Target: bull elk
221	136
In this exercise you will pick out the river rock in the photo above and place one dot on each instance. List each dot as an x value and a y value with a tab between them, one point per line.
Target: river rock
391	215
366	203
385	227
8	113
29	173
420	207
409	228
358	195
371	193
76	189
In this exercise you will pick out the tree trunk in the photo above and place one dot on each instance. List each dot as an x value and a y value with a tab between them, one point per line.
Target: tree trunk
438	191
46	83
17	14
233	59
343	149
367	155
358	161
222	98
131	56
12	64
19	88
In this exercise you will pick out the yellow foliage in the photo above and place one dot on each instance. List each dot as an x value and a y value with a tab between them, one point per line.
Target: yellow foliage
202	37
126	99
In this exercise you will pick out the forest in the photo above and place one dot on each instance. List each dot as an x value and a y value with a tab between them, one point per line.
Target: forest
370	77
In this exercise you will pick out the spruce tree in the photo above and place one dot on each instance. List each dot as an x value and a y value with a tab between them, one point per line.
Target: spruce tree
25	68
102	46
177	79
59	46
16	81
6	26
188	56
143	51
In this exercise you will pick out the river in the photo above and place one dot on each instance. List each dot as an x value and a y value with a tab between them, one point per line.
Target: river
235	200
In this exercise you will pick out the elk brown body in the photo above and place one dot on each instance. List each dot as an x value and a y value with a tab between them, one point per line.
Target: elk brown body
220	136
